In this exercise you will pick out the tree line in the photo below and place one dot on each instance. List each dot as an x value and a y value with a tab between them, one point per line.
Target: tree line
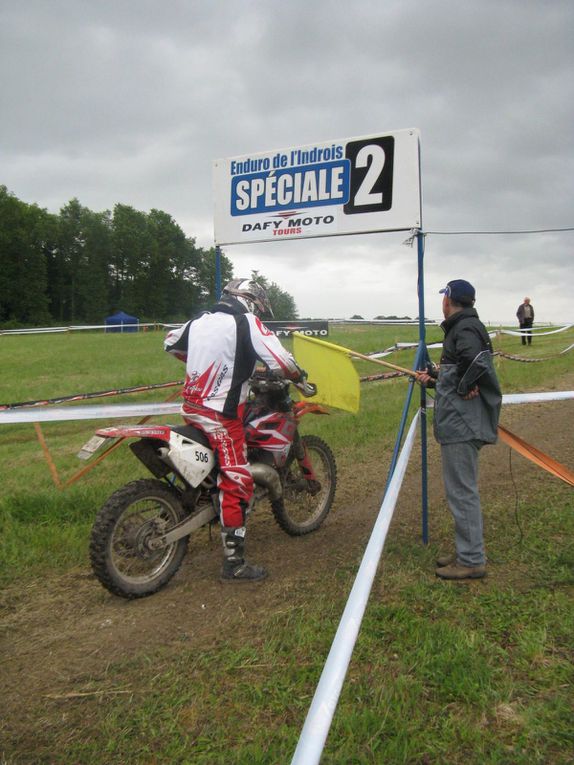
80	266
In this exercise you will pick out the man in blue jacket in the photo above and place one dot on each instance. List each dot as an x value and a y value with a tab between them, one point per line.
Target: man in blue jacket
466	412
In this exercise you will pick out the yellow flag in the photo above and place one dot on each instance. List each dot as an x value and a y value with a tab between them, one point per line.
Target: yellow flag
331	370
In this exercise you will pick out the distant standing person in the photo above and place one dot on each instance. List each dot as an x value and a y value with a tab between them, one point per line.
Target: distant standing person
466	411
525	316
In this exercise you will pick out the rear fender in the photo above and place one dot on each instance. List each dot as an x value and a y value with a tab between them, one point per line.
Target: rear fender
161	432
192	460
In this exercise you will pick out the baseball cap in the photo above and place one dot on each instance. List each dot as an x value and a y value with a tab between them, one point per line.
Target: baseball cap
459	290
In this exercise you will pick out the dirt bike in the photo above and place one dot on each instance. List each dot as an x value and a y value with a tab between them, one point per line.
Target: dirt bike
140	535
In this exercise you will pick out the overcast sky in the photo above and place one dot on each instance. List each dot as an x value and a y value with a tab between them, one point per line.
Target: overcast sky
130	101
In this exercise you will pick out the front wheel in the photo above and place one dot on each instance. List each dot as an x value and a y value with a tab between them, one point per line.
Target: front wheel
305	504
120	553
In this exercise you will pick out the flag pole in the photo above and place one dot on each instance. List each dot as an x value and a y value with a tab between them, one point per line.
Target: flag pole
356	354
409	372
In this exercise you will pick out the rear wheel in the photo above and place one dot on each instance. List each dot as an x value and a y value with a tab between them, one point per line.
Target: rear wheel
305	504
120	551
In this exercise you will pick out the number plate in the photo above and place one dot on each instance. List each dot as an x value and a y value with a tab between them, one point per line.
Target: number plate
90	447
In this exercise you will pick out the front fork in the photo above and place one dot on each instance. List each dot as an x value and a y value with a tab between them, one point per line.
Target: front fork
302	458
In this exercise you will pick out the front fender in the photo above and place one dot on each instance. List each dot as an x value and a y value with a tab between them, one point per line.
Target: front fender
301	408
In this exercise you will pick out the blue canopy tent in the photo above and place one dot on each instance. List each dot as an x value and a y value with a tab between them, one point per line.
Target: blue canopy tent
122	322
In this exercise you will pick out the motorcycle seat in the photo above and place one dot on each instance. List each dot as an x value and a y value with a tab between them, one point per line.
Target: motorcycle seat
195	434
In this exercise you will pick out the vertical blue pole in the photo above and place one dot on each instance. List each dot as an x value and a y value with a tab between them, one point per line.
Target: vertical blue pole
422	357
400	432
217	272
403	422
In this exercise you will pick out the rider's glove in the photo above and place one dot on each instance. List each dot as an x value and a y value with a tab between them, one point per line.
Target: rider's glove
298	376
307	389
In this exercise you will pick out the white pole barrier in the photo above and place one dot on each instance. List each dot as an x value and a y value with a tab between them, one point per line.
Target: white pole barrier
101	412
534	331
320	715
536	398
111	411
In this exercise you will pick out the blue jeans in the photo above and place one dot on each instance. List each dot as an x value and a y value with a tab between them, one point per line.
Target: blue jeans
460	475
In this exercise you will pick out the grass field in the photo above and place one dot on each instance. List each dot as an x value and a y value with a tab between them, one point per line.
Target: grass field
440	674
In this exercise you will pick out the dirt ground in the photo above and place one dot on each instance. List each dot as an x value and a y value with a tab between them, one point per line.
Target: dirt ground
60	635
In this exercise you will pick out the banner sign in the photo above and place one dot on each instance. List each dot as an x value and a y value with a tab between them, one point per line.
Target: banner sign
309	328
350	186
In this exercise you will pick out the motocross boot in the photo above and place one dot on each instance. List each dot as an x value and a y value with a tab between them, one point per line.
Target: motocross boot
235	567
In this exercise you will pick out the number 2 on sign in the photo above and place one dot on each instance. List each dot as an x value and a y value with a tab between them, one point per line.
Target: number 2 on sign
373	158
371	186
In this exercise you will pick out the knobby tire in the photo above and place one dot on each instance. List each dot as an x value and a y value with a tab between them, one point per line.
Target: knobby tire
298	512
165	511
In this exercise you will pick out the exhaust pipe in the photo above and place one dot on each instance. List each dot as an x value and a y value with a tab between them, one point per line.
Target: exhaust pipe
266	476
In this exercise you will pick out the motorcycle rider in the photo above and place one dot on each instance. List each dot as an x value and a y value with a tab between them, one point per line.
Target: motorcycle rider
221	348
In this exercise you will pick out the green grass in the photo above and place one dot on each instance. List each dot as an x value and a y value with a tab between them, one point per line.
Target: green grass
440	673
46	366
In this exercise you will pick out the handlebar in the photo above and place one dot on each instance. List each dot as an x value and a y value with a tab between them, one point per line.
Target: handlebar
307	389
265	381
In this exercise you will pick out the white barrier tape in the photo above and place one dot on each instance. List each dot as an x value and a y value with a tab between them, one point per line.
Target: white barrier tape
61	413
320	715
492	335
400	347
33	331
74	328
526	398
536	398
380	355
539	332
397	322
534	331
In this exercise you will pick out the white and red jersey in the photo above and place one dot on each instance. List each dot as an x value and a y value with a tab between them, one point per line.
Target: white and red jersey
221	350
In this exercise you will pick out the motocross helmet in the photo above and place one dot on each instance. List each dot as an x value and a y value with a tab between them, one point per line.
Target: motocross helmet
252	295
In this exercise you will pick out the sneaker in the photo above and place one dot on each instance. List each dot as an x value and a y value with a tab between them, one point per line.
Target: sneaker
458	571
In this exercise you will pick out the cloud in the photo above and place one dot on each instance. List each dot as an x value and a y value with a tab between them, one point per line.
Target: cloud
131	102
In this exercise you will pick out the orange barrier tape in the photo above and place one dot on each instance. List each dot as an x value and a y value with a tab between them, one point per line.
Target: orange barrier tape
535	455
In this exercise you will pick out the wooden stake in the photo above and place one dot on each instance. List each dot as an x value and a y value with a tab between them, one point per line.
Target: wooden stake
47	455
